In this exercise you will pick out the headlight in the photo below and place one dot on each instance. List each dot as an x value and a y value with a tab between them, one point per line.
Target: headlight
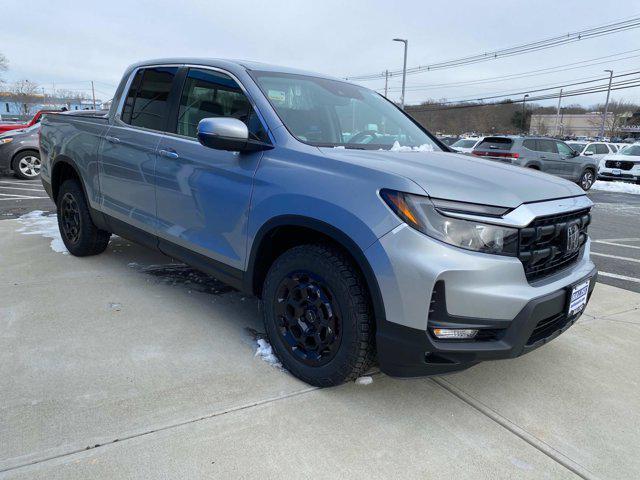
6	140
424	214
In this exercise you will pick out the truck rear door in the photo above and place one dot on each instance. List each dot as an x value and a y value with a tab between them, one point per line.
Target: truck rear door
128	154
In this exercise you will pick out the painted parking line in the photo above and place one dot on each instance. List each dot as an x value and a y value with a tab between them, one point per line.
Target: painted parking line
627	259
23	198
619	277
27	183
605	242
634	239
4	187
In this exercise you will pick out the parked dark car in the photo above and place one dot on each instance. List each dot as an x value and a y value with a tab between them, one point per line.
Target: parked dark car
19	152
540	153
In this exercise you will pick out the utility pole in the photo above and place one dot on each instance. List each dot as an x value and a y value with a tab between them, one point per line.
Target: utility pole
606	104
386	82
404	68
93	94
555	132
524	102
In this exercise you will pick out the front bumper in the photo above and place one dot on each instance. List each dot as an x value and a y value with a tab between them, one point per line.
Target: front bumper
406	352
632	175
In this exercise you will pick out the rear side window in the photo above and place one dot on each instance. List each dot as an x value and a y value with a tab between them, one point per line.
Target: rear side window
208	93
530	144
548	146
146	104
495	143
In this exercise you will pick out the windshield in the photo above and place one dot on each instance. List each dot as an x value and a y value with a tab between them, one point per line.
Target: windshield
631	150
330	113
464	143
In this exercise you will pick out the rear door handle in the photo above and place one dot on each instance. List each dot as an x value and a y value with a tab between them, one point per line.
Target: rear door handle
169	154
111	139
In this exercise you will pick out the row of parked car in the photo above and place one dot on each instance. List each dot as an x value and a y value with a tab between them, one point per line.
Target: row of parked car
581	162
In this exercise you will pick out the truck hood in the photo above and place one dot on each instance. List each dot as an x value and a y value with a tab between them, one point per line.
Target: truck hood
463	178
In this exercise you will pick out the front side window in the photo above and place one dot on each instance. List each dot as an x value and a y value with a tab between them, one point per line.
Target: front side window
331	113
591	148
464	143
146	104
564	149
206	94
601	149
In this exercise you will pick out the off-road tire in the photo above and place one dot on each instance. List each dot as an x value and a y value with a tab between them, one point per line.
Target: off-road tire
84	238
355	352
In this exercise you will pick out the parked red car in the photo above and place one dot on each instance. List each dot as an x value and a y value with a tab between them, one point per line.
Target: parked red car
5	127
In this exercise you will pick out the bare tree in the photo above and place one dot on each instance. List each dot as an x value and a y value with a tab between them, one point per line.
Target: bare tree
24	93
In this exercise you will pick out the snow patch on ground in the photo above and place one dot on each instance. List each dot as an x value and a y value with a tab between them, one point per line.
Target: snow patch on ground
38	223
364	380
425	147
265	352
619	187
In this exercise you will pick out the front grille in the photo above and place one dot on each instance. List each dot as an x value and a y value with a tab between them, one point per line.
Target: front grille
547	327
543	243
618	164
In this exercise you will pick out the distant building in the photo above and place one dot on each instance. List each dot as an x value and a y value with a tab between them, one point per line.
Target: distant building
12	108
569	124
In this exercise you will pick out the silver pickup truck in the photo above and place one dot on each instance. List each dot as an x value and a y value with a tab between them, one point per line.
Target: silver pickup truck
361	233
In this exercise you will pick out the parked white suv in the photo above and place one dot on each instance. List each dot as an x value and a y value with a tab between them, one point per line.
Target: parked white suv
624	165
466	145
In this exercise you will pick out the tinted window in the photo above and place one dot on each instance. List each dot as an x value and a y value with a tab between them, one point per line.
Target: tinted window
464	143
564	149
530	144
212	94
548	146
613	147
146	102
495	143
601	148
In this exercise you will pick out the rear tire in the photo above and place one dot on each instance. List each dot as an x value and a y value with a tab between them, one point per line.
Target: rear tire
79	234
26	165
318	315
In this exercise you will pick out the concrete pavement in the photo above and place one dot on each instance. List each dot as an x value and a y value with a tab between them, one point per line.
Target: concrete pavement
109	372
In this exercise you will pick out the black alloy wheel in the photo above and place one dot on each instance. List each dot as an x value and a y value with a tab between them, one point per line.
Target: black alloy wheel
70	218
308	317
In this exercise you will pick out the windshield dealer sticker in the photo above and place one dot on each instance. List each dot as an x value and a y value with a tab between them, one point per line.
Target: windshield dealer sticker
276	95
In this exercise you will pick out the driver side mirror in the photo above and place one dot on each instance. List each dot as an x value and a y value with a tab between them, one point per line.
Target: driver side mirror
588	154
227	133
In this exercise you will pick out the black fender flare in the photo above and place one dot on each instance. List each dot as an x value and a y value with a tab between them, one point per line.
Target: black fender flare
330	231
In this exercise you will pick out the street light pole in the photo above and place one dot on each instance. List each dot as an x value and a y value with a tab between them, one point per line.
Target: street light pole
386	82
524	101
606	104
555	132
404	68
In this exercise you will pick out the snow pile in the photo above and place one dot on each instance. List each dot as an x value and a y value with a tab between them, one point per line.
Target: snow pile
38	223
364	380
265	351
620	187
425	147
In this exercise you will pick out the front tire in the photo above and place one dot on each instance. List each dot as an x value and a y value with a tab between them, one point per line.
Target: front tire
318	316
26	165
79	234
587	179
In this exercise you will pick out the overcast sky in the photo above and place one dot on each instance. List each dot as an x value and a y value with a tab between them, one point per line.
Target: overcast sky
71	42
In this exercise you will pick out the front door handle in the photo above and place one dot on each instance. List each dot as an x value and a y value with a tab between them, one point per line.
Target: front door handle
111	139
169	154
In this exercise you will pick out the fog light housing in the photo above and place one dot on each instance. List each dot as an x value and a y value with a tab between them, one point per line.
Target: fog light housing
455	333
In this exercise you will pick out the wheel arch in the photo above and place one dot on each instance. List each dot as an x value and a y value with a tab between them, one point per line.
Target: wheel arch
286	231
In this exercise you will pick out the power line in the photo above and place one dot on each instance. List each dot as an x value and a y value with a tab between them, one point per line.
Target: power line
606	29
634	83
536	89
531	73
